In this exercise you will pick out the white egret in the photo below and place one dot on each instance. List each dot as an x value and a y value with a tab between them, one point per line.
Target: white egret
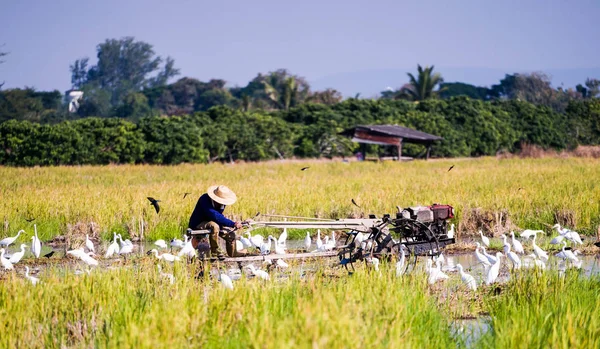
481	257
226	281
6	264
257	240
279	249
177	243
33	279
441	258
282	240
468	279
435	274
188	250
515	260
528	232
165	256
484	239
16	257
494	270
160	243
490	258
319	241
112	248
265	247
258	273
281	264
126	248
359	238
85	257
89	244
568	234
567	254
238	245
245	242
307	241
557	240
7	241
451	231
166	275
538	251
517	245
36	244
538	263
400	264
330	243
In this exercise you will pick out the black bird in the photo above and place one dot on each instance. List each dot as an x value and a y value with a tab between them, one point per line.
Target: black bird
304	168
355	204
154	203
49	254
185	194
451	167
597	244
29	219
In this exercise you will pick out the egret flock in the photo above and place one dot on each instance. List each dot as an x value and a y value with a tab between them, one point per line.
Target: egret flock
513	254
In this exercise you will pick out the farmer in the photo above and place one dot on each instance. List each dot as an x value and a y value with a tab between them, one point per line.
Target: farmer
208	215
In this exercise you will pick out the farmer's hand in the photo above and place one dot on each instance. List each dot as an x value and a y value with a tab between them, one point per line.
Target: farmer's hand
238	225
248	221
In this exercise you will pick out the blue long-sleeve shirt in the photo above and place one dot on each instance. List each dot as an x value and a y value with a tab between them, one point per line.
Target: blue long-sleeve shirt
206	212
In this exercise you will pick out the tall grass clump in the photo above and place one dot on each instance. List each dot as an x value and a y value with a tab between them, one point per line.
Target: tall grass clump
545	310
136	307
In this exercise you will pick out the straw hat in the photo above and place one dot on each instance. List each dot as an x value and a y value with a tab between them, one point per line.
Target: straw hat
221	194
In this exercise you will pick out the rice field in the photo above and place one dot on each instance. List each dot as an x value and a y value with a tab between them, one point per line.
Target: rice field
130	304
530	192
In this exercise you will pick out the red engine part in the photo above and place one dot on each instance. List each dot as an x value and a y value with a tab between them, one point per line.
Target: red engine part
442	211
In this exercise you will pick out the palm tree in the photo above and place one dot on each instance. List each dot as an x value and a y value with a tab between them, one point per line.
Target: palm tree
422	87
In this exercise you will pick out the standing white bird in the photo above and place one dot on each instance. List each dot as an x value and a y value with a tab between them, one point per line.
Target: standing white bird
282	240
319	241
6	264
7	241
245	242
166	275
307	241
36	244
165	256
279	249
375	263
281	264
89	244
450	233
359	238
160	243
568	234
258	273
567	254
226	281
16	257
436	273
516	261
538	251
257	240
492	259
188	250
400	264
126	248
468	279
494	270
538	263
33	279
177	243
484	239
517	245
481	257
112	248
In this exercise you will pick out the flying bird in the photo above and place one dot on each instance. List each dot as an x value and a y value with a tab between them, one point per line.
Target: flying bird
154	203
451	167
355	204
29	219
304	168
185	194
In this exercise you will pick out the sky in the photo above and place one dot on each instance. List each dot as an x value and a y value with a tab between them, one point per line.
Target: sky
319	40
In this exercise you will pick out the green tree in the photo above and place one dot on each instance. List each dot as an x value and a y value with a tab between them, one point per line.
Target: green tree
454	89
124	66
276	90
423	86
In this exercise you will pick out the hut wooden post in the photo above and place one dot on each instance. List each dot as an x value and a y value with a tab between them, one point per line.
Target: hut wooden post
400	149
428	151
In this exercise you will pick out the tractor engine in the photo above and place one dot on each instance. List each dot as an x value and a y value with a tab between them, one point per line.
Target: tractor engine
434	217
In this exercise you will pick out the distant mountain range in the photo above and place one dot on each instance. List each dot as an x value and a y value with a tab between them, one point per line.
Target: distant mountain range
369	83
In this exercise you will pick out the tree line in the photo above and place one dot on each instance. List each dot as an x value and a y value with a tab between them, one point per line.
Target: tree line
469	127
130	113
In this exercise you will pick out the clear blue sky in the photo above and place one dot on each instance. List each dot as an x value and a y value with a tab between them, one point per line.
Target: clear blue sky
234	40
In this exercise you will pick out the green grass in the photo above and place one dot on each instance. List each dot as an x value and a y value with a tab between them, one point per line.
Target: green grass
135	307
545	310
114	197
